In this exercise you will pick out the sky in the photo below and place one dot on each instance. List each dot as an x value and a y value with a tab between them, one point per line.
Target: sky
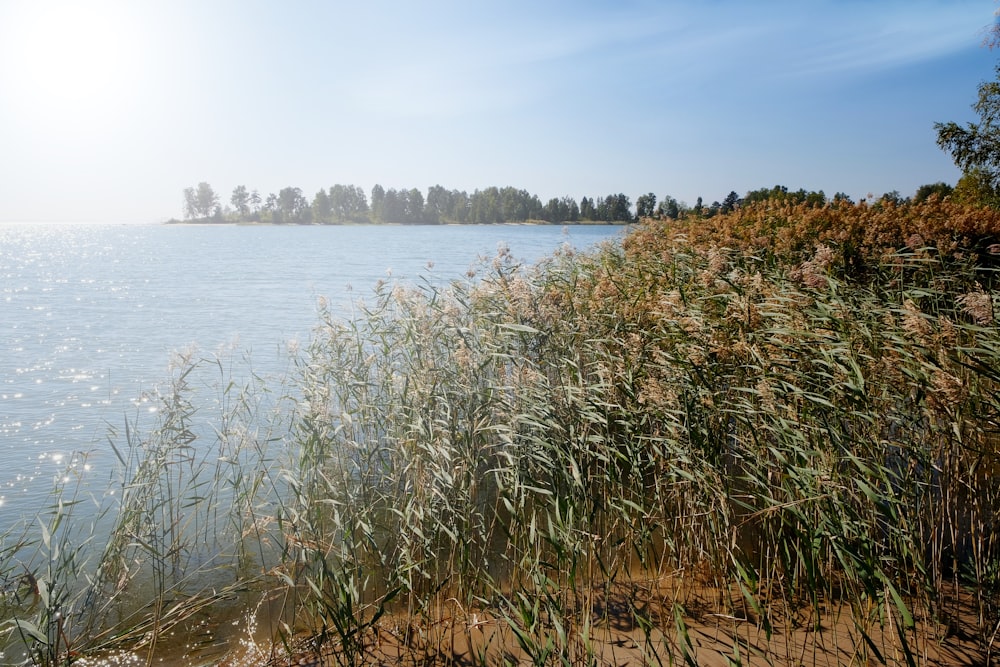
110	108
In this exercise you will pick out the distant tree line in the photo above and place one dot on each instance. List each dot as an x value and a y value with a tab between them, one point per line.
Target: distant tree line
341	204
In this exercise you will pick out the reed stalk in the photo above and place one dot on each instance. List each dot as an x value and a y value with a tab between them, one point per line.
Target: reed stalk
782	424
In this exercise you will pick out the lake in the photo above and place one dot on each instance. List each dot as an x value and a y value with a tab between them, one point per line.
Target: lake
91	315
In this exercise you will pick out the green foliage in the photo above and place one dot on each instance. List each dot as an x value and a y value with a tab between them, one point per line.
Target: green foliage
200	202
975	148
781	194
779	418
976	188
291	207
348	203
670	208
240	200
939	189
645	205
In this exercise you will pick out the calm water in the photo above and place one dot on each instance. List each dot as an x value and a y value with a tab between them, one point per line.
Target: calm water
90	315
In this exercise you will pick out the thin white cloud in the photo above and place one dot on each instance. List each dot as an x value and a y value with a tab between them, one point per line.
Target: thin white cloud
887	41
504	65
494	67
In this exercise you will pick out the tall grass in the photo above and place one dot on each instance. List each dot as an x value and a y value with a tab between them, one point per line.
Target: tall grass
169	537
587	460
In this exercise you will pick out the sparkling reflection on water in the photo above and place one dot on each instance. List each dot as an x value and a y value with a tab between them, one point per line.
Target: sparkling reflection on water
90	315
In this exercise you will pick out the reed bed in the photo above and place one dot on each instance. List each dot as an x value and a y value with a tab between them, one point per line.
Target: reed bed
766	438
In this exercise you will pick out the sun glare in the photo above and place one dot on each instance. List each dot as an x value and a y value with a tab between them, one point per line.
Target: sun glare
70	65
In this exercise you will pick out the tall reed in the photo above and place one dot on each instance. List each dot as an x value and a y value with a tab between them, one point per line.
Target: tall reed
170	536
781	424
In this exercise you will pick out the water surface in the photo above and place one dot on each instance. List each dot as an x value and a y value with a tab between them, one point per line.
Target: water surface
90	315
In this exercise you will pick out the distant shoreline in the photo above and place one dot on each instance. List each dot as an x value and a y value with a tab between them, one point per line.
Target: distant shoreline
524	223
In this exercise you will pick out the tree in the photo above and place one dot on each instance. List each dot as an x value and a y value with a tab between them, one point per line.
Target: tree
200	202
977	189
413	206
777	193
940	189
359	203
572	208
669	208
842	198
292	207
645	205
484	206
976	147
190	204
208	201
619	208
893	198
393	207
322	210
515	205
460	205
352	201
555	211
613	208
378	199
781	194
438	205
241	201
730	203
341	200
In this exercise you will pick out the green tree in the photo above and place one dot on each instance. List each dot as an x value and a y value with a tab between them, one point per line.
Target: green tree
781	194
200	202
777	193
460	206
190	204
240	200
271	203
208	201
614	208
555	211
413	211
842	198
322	211
977	188
621	209
572	208
893	197
292	207
438	205
940	189
669	208
358	203
342	201
730	203
976	147
515	205
645	205
378	200
255	204
393	206
485	206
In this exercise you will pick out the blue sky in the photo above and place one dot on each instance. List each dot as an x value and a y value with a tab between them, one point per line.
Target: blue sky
112	107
